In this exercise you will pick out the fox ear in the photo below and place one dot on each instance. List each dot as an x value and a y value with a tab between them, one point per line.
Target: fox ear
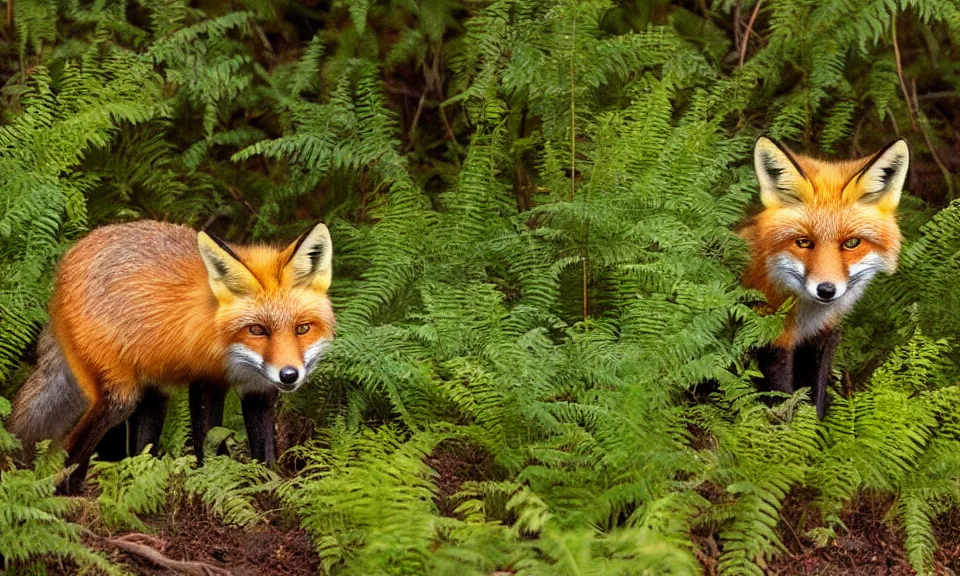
229	277
311	259
780	176
881	180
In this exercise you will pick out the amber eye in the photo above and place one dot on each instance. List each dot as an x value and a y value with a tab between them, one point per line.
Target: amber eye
303	329
851	243
258	330
804	243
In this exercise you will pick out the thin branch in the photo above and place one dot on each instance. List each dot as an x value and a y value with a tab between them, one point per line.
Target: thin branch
446	124
736	27
213	218
129	545
573	114
10	13
795	537
236	196
706	11
903	85
270	54
947	175
416	118
943	95
856	135
573	159
746	35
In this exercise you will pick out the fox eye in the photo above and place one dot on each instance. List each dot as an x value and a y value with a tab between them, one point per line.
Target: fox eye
303	329
851	243
804	243
258	330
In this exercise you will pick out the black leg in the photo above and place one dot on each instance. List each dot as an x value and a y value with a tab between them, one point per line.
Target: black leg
146	424
217	399
258	418
113	447
206	411
813	362
106	413
776	364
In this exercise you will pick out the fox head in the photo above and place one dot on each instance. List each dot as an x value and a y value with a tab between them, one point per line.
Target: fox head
827	228
273	311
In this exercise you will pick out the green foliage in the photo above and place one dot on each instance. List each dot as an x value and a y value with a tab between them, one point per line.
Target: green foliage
8	442
35	525
533	205
144	485
367	501
227	488
136	485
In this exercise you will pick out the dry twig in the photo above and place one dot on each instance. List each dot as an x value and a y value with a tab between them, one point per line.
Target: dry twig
903	85
132	544
746	35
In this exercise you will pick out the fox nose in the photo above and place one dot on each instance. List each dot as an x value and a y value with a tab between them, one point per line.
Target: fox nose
826	290
289	375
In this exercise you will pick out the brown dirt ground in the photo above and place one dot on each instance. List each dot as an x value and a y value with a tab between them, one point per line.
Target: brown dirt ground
278	547
872	547
456	462
190	534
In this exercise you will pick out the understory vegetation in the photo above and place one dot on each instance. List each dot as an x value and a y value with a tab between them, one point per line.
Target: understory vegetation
533	205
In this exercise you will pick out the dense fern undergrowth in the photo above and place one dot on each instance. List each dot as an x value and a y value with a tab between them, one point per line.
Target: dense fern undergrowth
533	206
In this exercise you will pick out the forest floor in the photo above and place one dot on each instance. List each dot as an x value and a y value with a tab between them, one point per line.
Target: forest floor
270	549
871	546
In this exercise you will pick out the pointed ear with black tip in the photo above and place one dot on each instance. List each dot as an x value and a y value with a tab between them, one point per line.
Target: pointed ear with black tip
781	179
311	259
229	277
881	180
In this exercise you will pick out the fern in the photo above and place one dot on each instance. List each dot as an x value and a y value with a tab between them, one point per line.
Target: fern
34	526
227	488
135	485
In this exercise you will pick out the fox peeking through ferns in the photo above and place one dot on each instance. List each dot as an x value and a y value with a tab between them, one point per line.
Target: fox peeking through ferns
827	228
143	306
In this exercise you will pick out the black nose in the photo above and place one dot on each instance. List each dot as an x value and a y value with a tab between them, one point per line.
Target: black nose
825	290
289	375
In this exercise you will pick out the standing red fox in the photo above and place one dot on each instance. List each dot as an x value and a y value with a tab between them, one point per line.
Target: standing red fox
826	230
142	306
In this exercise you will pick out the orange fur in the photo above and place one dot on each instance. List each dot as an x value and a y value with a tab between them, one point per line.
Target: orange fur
148	305
171	330
825	203
133	307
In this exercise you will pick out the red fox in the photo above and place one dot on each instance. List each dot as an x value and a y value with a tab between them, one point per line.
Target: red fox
827	228
143	306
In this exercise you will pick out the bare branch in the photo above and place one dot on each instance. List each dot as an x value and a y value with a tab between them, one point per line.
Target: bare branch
746	35
129	544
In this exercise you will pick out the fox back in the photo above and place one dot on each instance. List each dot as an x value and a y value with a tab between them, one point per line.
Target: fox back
826	229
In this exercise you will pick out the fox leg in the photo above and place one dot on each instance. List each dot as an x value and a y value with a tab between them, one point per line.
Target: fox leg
146	423
258	420
776	364
105	412
813	362
145	426
113	446
206	411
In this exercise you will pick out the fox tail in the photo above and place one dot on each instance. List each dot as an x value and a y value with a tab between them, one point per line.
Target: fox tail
49	403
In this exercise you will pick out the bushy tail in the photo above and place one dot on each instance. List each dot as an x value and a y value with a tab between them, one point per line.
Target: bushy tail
49	403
